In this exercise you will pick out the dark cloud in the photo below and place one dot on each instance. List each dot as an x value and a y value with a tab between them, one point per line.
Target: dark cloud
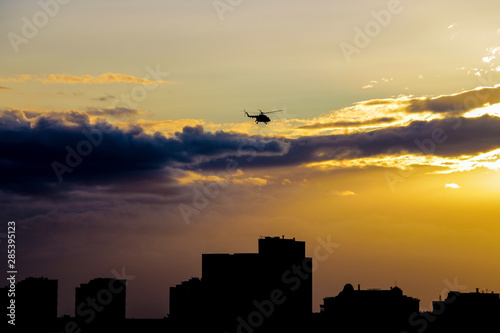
349	123
33	152
449	137
457	103
5	88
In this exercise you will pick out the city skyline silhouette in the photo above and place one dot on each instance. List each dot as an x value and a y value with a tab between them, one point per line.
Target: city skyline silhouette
155	142
267	291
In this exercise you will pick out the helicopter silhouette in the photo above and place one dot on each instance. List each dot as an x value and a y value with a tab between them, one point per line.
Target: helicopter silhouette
261	118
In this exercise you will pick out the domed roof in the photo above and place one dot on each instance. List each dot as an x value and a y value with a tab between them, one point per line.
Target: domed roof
348	288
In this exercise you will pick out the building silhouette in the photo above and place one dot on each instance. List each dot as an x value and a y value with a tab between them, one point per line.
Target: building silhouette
100	304
372	310
472	312
4	303
258	292
35	305
186	300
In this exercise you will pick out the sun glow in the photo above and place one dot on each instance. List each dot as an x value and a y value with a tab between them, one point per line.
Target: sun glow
489	160
492	110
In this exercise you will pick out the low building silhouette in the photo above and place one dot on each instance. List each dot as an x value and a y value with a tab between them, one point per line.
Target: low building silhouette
186	302
100	303
372	310
34	307
471	312
4	303
36	303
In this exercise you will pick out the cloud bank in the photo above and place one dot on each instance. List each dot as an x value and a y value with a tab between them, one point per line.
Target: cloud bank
47	154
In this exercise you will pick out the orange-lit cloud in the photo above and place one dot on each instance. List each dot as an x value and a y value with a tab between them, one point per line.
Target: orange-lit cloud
190	177
381	113
456	103
105	78
344	193
251	181
444	165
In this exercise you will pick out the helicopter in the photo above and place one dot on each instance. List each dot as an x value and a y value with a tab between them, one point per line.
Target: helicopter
261	118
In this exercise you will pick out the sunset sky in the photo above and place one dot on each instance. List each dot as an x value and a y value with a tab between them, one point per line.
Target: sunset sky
124	146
